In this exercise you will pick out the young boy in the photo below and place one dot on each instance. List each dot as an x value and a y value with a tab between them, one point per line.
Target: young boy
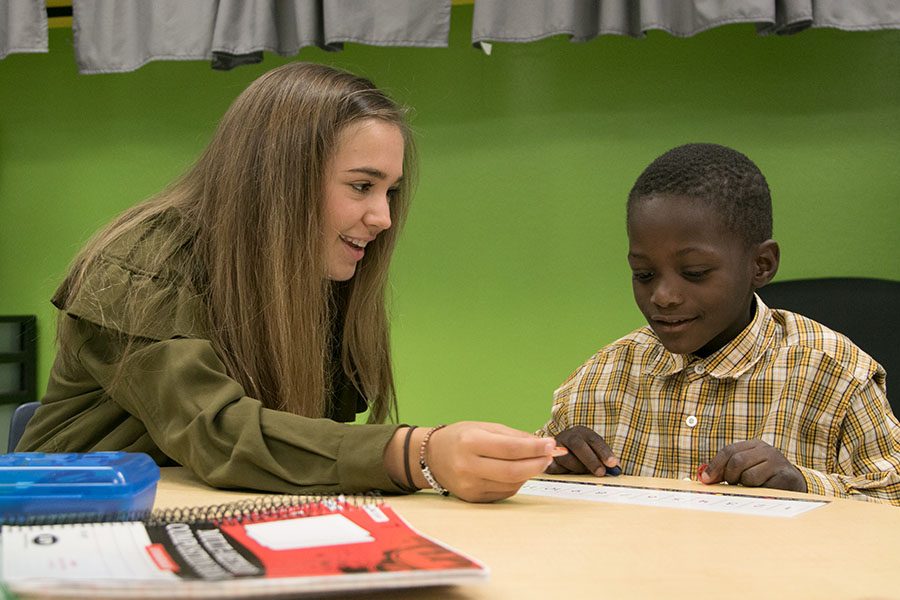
766	397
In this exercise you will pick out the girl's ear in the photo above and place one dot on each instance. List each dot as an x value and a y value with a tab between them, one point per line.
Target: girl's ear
765	262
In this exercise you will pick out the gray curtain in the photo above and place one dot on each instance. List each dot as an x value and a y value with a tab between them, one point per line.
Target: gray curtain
121	35
23	27
582	20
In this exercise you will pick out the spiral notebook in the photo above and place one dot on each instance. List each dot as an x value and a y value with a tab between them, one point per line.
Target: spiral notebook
267	547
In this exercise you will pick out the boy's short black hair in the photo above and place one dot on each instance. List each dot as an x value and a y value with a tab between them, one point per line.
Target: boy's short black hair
729	182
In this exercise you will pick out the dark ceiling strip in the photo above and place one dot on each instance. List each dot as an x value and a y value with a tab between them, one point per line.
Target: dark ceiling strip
59	11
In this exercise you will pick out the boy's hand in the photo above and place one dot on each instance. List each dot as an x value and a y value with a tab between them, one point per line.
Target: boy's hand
754	463
588	453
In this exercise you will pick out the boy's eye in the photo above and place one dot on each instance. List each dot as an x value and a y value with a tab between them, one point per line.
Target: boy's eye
695	274
642	276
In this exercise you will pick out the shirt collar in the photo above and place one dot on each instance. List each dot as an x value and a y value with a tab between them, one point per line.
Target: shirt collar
732	360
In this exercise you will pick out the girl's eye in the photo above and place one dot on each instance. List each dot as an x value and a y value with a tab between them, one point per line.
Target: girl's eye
642	276
392	192
361	187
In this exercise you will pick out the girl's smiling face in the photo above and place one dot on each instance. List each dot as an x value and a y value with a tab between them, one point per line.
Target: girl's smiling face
360	180
693	279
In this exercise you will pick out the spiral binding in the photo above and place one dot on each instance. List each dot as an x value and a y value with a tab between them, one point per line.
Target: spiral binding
241	511
263	508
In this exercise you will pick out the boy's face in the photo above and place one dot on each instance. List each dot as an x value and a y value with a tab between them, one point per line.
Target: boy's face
693	279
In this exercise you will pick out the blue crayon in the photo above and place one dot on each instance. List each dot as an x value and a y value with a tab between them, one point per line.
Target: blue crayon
614	471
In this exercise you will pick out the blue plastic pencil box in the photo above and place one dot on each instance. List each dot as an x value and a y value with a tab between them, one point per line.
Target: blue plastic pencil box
96	486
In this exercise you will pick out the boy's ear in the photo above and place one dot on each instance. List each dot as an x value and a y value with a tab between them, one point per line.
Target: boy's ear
765	262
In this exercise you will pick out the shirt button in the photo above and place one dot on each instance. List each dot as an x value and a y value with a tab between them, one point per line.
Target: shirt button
699	369
690	421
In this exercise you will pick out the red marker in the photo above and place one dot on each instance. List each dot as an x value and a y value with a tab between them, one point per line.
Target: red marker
700	471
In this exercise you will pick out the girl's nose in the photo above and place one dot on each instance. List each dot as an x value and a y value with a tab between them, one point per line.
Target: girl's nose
379	214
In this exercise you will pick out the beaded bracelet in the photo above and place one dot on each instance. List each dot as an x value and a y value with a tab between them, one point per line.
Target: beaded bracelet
426	472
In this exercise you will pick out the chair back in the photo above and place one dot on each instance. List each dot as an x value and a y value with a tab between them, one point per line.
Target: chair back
20	418
865	310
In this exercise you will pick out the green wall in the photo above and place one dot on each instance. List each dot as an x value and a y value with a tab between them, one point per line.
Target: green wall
512	268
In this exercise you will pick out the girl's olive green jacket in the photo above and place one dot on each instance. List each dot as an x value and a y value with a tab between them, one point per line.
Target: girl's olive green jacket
175	400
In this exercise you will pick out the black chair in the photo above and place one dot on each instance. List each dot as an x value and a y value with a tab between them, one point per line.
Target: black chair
865	310
20	418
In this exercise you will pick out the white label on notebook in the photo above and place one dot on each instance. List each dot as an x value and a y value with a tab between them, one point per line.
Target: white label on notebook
376	514
308	532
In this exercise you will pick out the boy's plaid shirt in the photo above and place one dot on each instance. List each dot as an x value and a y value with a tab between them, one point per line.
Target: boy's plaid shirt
787	380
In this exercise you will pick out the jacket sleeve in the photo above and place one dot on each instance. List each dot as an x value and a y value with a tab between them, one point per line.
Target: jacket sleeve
200	417
868	450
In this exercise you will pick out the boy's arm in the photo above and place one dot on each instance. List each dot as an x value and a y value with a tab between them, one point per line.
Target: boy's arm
868	448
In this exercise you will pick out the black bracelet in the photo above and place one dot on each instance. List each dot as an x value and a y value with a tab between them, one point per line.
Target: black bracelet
409	480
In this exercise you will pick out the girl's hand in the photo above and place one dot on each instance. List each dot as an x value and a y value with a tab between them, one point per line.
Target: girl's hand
483	462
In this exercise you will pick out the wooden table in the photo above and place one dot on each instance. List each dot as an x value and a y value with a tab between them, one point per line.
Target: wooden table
552	548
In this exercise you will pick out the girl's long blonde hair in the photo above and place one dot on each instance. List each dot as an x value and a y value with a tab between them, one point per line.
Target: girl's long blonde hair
248	220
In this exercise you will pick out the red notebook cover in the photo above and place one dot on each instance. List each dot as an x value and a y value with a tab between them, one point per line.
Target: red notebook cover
308	547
